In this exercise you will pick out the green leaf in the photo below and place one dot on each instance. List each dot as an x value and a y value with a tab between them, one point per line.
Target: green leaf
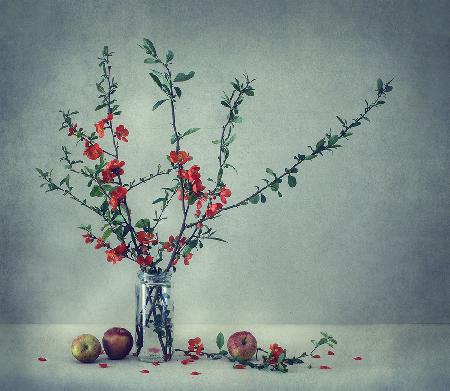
220	340
157	80
96	192
310	157
292	181
184	77
381	102
65	180
230	140
157	104
190	131
340	120
101	106
249	92
106	234
178	91
150	60
263	198
380	85
143	223
158	200
169	55
320	143
254	199
216	142
269	171
149	44
333	139
173	139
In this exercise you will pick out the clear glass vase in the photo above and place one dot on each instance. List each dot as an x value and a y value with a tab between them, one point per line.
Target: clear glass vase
154	316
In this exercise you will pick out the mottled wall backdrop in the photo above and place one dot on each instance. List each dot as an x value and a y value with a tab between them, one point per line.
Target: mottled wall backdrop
364	237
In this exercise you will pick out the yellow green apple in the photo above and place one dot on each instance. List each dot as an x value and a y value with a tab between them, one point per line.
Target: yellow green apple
86	348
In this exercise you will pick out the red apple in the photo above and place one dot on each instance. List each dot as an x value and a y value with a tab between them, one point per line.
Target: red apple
242	345
117	343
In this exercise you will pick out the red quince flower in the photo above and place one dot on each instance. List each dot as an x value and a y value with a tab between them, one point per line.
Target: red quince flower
100	125
183	174
100	243
195	345
145	237
224	194
147	261
122	133
117	254
72	130
175	261
93	151
87	238
275	352
100	128
325	367
182	157
200	225
187	258
118	195
170	244
357	358
213	209
112	169
330	353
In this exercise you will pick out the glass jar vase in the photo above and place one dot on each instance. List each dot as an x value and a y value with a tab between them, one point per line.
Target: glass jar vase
154	316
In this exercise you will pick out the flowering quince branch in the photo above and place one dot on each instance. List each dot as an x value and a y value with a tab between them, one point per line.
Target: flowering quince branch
275	359
139	240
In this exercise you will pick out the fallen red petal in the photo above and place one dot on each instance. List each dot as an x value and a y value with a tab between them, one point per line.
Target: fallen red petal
144	371
186	362
325	367
239	366
42	359
155	363
316	356
103	365
196	373
330	353
357	358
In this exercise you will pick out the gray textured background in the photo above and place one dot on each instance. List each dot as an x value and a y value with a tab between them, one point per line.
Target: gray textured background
364	239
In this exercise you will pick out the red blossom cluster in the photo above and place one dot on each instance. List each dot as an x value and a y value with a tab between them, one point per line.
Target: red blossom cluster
72	130
100	125
122	133
116	254
170	244
195	345
118	195
92	151
112	170
275	352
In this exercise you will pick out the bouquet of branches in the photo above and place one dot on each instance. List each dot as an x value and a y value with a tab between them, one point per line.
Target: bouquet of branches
200	201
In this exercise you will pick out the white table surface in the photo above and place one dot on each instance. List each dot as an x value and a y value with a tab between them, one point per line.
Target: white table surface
395	357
